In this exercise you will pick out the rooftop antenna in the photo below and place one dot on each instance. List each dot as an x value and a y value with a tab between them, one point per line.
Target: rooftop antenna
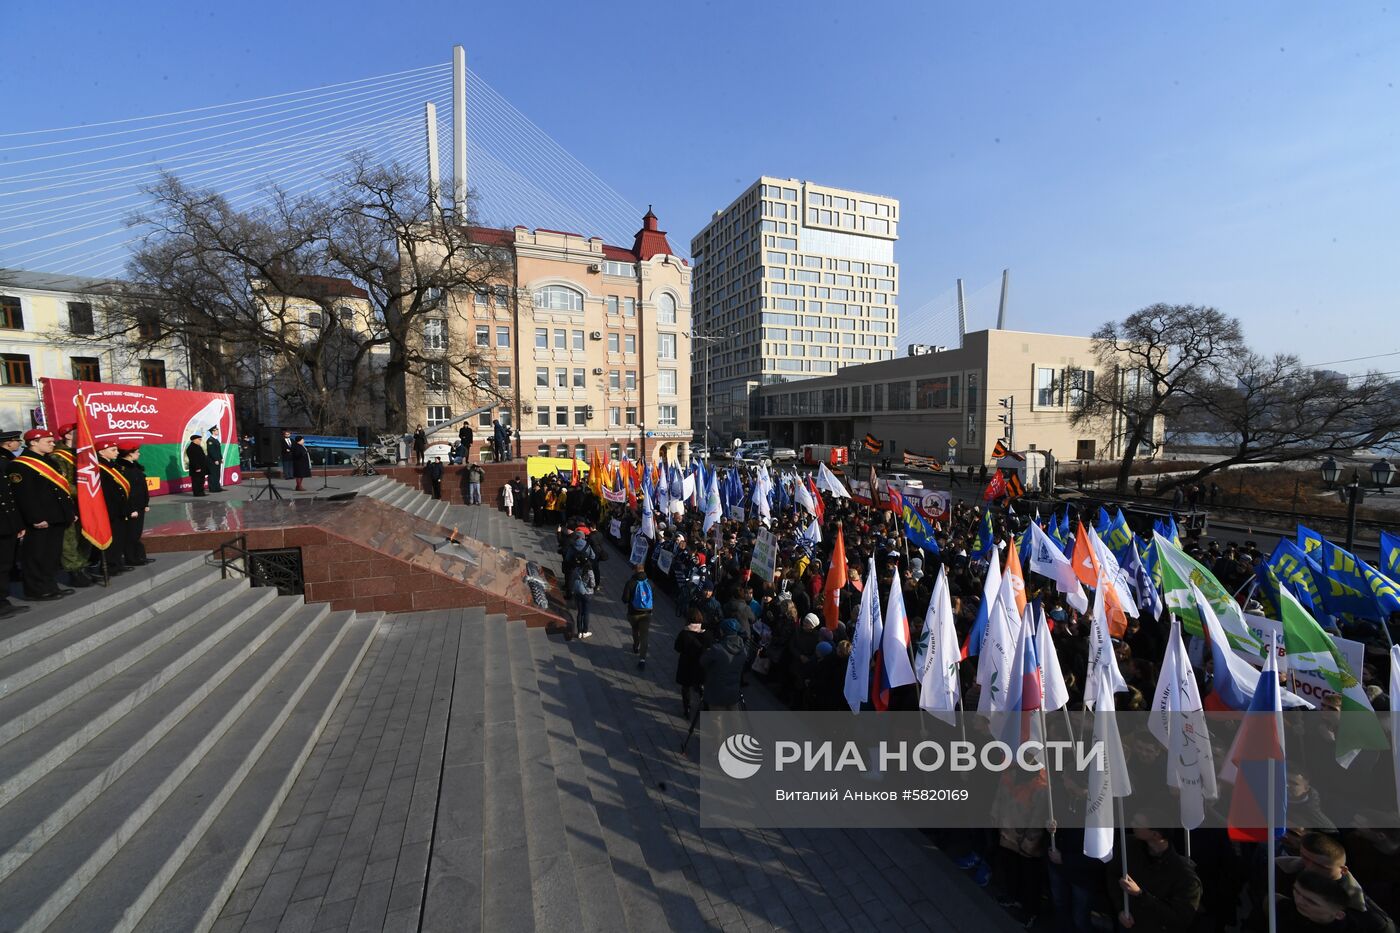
1001	308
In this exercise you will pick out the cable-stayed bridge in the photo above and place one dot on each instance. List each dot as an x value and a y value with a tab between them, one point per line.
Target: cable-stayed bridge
67	194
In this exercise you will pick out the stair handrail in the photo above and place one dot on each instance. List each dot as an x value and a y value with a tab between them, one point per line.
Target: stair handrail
239	547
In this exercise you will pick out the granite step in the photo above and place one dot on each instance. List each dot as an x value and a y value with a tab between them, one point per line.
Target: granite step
54	877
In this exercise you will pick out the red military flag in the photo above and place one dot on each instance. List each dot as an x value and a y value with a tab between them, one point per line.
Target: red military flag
835	580
996	488
92	505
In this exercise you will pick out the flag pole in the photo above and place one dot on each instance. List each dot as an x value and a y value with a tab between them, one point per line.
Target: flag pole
1269	841
1188	842
1123	847
1049	784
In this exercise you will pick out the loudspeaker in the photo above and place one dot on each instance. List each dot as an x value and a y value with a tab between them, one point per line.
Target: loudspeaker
362	436
341	497
269	446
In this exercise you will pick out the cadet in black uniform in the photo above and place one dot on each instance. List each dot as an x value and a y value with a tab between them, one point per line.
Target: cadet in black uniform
10	444
133	551
45	502
11	529
116	493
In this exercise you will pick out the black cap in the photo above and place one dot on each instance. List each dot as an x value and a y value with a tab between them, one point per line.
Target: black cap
9	436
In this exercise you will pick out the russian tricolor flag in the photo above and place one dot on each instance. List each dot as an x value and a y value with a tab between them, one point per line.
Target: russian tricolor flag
1258	754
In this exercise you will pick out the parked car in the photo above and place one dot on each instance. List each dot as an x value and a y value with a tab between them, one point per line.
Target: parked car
902	481
783	455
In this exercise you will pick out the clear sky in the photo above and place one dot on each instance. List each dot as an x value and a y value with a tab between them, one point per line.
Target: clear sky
1243	155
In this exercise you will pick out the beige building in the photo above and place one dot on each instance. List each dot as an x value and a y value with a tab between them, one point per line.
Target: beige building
793	280
949	404
44	320
586	347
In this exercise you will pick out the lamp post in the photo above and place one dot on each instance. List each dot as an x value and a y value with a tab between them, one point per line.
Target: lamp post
1382	474
1352	494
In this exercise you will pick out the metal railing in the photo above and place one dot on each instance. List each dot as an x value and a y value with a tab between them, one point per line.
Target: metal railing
238	547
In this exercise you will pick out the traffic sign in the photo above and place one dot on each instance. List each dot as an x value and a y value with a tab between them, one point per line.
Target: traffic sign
952	442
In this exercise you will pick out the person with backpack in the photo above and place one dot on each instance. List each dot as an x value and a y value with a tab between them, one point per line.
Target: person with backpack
637	596
582	582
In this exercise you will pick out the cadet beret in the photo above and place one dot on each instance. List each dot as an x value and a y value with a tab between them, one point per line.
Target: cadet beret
63	429
104	445
128	448
36	434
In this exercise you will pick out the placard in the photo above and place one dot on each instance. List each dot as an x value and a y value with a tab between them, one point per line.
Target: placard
765	556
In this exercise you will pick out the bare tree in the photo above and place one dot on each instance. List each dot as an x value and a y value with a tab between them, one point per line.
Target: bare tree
1272	409
318	299
1148	364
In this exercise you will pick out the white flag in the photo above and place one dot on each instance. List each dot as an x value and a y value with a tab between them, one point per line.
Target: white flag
813	534
998	654
827	480
648	516
712	505
1053	692
939	654
1050	562
804	497
1108	773
1101	654
1115	575
1395	715
894	645
1179	723
857	688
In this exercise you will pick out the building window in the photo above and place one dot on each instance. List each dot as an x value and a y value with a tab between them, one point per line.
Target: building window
1047	388
629	343
631	379
561	339
483	420
542	417
1081	386
501	294
580	414
579	381
483	336
581	451
631	414
543	450
666	382
503	416
541	338
435	377
614	416
614	343
626	269
578	339
629	307
615	451
542	377
313	320
666	346
153	374
11	313
561	379
614	379
558	298
503	378
612	304
80	317
347	316
666	309
438	415
435	334
668	415
503	337
87	369
562	450
632	451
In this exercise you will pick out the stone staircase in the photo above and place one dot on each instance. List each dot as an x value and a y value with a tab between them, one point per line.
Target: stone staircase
487	523
147	734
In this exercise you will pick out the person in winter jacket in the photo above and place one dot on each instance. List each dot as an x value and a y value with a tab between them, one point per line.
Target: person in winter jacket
301	460
638	597
582	581
724	664
1163	890
691	645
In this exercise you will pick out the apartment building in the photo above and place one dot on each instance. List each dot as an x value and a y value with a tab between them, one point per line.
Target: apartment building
793	280
45	323
583	346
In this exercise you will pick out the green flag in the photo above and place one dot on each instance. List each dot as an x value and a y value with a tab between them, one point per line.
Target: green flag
1310	648
1179	571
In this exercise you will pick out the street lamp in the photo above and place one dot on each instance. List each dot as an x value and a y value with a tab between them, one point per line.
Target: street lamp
1382	474
1353	495
1330	472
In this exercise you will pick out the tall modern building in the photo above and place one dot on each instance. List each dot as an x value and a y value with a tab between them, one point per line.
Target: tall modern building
792	280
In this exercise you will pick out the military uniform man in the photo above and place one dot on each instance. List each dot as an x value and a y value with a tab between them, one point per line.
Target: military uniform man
45	501
10	444
75	547
116	493
11	527
214	450
133	551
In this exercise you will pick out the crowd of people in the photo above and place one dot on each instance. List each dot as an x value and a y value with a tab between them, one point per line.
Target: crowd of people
43	544
738	628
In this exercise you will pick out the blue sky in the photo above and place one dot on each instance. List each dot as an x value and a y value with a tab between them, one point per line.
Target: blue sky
1111	155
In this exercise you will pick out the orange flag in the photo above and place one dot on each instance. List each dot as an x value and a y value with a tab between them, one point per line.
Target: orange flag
835	580
1015	578
92	504
1086	565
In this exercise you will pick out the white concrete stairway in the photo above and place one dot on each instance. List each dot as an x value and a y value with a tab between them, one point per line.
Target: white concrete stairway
148	732
485	522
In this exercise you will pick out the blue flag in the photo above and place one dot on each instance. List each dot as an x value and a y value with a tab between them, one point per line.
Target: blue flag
1390	555
986	539
1300	573
1308	539
1347	590
1385	590
917	529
